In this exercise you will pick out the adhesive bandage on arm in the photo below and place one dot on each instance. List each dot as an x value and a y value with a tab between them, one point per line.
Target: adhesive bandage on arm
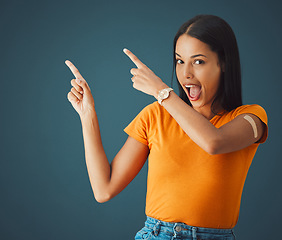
253	124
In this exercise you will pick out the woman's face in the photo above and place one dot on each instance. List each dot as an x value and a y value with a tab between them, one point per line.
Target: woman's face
198	72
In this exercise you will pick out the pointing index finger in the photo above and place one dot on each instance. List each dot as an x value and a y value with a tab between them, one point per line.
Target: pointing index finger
133	58
73	69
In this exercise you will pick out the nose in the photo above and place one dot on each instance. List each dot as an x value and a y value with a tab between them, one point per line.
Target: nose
188	72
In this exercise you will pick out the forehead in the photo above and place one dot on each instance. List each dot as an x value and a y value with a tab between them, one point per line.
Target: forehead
188	46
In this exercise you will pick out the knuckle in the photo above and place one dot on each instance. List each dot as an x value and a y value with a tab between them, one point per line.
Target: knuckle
136	71
76	93
73	82
70	96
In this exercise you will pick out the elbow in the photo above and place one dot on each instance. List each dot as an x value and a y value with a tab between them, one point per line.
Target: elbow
102	197
213	147
102	200
212	151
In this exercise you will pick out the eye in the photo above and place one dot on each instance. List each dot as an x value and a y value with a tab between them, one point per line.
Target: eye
179	61
198	61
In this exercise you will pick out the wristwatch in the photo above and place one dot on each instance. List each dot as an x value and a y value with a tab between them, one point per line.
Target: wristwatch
163	94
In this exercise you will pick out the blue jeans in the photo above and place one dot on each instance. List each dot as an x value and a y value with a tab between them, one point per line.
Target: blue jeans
156	229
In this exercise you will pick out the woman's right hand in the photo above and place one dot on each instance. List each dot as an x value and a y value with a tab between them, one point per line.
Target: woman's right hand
80	95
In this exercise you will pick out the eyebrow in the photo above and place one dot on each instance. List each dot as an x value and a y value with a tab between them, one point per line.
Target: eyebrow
197	55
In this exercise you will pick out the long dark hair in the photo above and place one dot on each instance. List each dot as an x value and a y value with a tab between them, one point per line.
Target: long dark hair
221	39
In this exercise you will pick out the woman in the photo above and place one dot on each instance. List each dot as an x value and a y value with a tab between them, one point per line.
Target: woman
200	145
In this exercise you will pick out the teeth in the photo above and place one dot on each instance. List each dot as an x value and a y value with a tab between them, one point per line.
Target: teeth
189	86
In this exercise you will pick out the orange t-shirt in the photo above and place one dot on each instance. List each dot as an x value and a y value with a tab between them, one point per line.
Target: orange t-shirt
185	183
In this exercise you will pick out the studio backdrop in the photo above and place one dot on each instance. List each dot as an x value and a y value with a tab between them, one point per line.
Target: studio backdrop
45	189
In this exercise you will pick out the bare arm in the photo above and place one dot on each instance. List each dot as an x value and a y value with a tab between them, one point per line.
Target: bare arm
233	136
106	181
109	180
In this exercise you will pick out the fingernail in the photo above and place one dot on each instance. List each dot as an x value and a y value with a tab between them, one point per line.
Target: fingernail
124	50
78	80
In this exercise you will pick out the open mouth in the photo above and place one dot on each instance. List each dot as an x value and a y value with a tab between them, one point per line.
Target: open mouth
194	91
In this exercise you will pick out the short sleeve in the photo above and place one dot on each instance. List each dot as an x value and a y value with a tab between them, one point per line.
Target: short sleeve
138	127
258	111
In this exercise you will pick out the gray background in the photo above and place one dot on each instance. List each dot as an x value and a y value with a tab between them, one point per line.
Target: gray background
45	191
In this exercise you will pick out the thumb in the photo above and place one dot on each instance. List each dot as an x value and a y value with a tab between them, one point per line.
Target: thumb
82	83
78	81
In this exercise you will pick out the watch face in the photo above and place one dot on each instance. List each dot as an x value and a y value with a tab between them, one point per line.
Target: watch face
163	94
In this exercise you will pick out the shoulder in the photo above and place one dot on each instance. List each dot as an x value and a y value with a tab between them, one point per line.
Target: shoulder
259	117
153	109
150	109
148	112
153	106
254	109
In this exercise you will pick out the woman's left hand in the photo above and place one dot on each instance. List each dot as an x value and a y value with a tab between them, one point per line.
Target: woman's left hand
144	79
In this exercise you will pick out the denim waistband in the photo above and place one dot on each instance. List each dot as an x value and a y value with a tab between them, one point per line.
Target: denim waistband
178	226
